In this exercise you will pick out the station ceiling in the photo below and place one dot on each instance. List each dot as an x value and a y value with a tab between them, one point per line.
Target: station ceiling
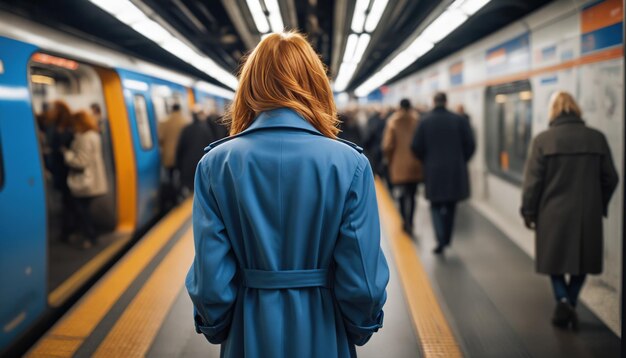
225	30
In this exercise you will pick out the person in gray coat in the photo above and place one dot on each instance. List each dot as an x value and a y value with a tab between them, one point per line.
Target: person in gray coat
568	182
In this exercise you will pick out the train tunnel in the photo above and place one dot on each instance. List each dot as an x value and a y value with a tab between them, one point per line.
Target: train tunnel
278	178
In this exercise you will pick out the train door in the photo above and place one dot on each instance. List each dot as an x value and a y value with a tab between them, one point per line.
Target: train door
60	88
145	142
22	199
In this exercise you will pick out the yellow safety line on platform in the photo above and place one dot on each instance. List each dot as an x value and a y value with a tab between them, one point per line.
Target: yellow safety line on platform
64	339
60	294
434	333
138	326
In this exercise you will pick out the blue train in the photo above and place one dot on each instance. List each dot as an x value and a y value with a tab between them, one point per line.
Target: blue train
39	270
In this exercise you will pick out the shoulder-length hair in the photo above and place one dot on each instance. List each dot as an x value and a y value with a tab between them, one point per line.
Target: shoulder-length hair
62	114
284	71
562	103
84	122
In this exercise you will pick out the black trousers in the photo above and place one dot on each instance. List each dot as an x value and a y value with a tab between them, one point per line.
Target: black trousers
406	202
85	220
443	221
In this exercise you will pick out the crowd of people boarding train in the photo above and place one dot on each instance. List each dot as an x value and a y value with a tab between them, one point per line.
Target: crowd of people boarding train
76	147
74	161
569	178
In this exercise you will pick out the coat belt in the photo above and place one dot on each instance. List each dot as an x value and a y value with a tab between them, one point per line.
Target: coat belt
276	280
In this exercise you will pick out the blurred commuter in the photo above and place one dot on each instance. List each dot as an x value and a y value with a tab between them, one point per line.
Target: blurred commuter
216	125
282	269
444	143
349	126
193	139
87	176
568	182
96	112
460	110
405	171
169	134
60	134
373	142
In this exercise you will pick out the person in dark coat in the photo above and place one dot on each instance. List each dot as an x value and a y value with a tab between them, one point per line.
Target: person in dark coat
568	182
350	130
372	142
60	135
193	139
218	129
444	143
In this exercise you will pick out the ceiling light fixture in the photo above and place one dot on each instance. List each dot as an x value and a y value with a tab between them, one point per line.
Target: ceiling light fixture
358	18
264	21
362	20
376	12
448	21
350	47
128	13
258	16
276	19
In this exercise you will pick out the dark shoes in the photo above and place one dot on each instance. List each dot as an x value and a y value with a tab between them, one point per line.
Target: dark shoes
438	250
565	315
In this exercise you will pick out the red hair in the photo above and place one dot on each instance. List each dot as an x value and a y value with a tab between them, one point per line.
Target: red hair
284	71
84	122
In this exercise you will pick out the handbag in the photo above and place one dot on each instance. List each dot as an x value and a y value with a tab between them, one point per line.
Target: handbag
80	181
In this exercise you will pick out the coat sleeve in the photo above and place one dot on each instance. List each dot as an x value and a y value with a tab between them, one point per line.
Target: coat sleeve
608	178
79	155
389	142
211	281
469	144
180	147
534	177
361	272
418	145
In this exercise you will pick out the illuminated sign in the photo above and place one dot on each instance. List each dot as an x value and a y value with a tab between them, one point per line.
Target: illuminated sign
55	61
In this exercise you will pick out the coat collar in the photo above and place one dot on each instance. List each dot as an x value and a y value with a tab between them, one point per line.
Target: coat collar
275	118
281	118
566	119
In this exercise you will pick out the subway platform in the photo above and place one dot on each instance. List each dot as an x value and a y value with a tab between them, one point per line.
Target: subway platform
481	299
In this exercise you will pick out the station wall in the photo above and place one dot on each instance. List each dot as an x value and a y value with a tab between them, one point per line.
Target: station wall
574	46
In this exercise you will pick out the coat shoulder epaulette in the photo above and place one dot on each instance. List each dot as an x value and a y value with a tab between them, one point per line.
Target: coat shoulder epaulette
218	142
354	146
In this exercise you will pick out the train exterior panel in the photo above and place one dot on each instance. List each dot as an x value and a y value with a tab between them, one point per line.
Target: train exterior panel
23	256
505	82
145	143
136	95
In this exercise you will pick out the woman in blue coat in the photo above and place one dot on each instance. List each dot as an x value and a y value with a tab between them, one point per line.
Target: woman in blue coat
287	238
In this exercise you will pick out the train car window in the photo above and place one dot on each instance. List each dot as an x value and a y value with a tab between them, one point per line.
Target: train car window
60	88
509	128
143	122
163	98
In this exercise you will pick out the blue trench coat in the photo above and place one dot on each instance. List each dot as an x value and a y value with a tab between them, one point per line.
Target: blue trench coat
287	238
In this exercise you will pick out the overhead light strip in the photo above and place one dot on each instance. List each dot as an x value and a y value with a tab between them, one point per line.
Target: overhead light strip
258	16
363	24
273	19
131	15
214	90
450	19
